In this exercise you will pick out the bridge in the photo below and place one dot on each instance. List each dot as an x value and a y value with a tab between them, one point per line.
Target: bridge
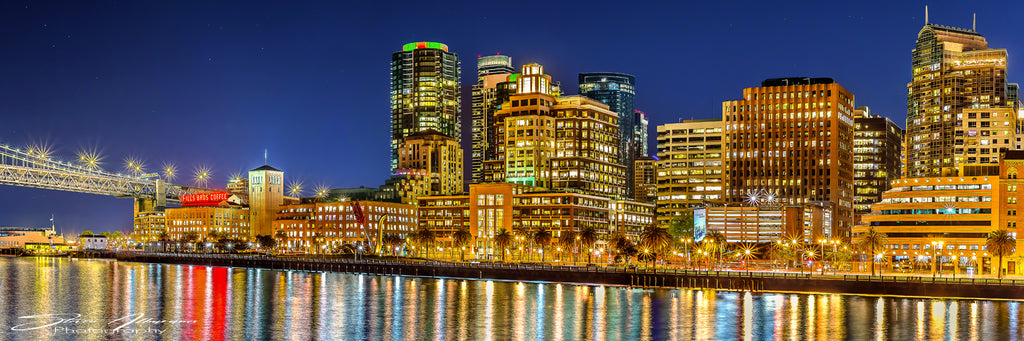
29	168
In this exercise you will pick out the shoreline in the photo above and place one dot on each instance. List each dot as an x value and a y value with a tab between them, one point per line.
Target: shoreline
757	282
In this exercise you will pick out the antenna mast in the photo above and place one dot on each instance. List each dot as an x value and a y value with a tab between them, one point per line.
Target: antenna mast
926	14
974	23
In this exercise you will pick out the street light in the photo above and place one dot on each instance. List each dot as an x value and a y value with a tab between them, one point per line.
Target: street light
936	246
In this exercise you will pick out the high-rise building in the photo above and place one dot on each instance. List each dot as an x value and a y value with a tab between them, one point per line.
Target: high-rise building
953	69
640	134
425	93
645	184
490	71
585	156
266	194
524	132
689	167
877	149
436	157
618	91
791	140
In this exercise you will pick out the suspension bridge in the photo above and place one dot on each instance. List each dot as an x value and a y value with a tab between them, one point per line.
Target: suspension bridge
31	168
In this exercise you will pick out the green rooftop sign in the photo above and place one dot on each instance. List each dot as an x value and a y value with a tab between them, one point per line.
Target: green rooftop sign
424	45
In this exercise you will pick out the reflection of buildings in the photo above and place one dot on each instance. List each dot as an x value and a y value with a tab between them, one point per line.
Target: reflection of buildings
877	151
489	208
792	137
327	226
689	166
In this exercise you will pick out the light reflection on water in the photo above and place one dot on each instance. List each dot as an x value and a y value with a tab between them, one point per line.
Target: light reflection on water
254	304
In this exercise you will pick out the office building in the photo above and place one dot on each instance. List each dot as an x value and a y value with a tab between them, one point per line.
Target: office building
983	133
645	182
768	223
640	134
618	91
585	155
266	194
689	167
425	93
491	71
792	138
953	69
877	152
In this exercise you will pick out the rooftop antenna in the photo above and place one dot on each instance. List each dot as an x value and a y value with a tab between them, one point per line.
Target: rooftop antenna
974	23
265	157
926	14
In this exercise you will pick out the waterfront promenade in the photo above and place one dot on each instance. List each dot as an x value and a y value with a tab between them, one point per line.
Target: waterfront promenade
987	288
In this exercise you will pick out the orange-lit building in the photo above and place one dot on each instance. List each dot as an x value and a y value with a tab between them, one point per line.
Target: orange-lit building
209	216
792	138
489	208
436	157
645	182
320	227
689	167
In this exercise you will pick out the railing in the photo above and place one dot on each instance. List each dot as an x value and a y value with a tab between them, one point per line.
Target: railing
315	259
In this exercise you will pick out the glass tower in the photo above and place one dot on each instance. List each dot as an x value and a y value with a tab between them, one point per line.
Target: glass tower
425	93
490	71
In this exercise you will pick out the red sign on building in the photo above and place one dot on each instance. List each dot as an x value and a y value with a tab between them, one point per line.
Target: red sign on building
204	199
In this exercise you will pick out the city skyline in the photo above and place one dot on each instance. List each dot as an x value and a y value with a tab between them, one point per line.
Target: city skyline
72	83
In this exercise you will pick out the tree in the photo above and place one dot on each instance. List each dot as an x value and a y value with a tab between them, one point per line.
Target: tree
588	237
715	243
567	241
622	245
281	236
266	241
163	236
871	241
543	238
1000	243
522	236
656	239
462	238
503	240
86	233
681	227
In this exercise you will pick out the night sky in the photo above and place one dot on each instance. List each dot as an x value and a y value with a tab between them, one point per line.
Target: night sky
216	84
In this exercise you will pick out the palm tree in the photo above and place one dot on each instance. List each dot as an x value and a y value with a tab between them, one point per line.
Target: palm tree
873	240
543	238
425	238
460	239
522	235
621	244
1000	243
503	240
567	241
656	239
393	242
588	237
266	241
715	243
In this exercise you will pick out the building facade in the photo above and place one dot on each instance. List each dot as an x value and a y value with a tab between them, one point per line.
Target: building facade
490	71
326	227
645	182
209	223
585	155
757	224
425	93
618	91
983	133
953	69
877	158
490	208
640	134
266	194
436	157
792	138
689	167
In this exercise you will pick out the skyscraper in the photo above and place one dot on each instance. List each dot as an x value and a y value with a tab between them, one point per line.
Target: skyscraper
425	93
689	167
618	91
640	134
953	69
877	149
791	140
490	71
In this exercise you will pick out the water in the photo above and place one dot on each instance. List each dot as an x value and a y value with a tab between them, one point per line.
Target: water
208	303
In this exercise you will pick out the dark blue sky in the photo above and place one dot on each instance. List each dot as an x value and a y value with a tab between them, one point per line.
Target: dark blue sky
215	84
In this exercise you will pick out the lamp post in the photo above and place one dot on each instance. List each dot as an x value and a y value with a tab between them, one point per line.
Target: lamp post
936	246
